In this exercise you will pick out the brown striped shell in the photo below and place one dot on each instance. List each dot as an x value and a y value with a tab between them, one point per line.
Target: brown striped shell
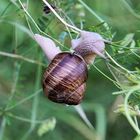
65	78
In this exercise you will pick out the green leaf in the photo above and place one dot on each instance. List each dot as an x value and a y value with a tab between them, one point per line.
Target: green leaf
127	40
49	125
126	80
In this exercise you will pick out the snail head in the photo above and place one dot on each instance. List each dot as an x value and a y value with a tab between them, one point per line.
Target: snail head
89	45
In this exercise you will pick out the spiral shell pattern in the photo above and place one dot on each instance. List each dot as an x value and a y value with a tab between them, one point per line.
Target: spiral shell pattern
64	80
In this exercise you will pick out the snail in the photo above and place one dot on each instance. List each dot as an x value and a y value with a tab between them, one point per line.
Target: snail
64	80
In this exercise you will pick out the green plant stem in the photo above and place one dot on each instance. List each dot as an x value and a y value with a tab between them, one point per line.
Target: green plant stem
130	9
69	32
63	21
67	18
37	85
15	81
24	100
116	62
82	114
94	14
27	2
120	92
28	23
78	125
26	119
130	120
14	2
9	4
19	26
115	82
29	16
22	58
16	71
35	102
136	121
106	27
101	121
27	13
2	128
135	54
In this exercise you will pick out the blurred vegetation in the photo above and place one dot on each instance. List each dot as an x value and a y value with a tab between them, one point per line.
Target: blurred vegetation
25	113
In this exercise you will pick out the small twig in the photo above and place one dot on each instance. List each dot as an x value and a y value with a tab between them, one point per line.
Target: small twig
35	102
135	54
21	57
127	113
29	16
130	9
115	82
93	13
24	100
136	121
15	81
2	128
14	2
64	22
9	4
27	13
116	62
26	119
83	115
119	92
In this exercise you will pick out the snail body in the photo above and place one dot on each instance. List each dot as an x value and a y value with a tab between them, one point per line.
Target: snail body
89	45
64	80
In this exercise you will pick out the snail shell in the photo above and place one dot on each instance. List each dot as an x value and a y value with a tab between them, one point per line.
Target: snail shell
64	80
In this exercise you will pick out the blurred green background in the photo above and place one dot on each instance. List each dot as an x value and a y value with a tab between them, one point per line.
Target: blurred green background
23	105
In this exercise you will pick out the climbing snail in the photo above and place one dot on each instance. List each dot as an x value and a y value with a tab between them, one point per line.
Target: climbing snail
64	80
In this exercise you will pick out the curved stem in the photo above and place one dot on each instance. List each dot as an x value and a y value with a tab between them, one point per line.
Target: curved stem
136	121
135	127
116	62
2	128
20	57
83	115
130	9
15	82
36	24
26	119
4	11
115	82
29	16
24	100
93	13
64	22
